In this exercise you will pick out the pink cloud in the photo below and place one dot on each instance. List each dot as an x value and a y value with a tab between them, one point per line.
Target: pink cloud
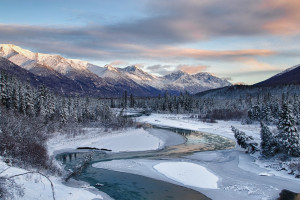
192	69
287	20
118	62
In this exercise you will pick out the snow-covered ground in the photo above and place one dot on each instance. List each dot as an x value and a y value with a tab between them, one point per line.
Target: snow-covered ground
188	174
36	186
182	121
117	141
238	174
228	174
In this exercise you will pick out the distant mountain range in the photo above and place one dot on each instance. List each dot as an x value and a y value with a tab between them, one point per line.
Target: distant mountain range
73	76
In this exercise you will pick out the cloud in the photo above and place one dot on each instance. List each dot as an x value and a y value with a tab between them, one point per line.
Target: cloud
167	69
228	78
192	69
239	83
168	23
286	22
253	65
118	63
165	31
177	52
91	43
160	69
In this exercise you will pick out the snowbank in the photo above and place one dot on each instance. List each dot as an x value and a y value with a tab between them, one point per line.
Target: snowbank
184	121
127	140
188	174
36	186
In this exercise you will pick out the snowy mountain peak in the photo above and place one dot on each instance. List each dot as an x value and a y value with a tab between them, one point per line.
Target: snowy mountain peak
138	75
7	50
203	74
108	77
29	60
176	75
111	68
132	68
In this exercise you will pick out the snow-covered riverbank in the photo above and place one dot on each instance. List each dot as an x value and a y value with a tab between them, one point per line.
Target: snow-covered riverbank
239	177
37	187
118	141
227	174
34	186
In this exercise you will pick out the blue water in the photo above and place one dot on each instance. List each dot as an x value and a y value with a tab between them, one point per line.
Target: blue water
125	186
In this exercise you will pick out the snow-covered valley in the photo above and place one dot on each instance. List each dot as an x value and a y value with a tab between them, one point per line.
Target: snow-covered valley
223	174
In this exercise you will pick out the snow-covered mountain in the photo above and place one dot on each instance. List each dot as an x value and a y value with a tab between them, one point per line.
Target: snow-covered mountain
288	76
195	83
107	80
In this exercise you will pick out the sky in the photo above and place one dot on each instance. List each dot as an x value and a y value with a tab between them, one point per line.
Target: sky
241	40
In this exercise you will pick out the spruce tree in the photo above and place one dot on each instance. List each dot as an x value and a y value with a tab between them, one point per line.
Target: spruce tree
28	100
132	101
245	141
288	136
268	144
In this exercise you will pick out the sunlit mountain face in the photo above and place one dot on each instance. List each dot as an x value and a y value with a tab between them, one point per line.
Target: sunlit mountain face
107	80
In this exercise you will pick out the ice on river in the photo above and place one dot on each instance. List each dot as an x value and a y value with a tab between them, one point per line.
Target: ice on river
189	174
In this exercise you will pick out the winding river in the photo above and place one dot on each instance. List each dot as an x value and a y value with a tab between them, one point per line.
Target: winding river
125	186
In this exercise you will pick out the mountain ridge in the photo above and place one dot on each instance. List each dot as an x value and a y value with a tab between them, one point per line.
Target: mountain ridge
114	81
288	76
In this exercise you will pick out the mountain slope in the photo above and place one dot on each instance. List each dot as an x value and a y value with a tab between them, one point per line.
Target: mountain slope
195	83
83	74
106	81
287	81
288	76
59	84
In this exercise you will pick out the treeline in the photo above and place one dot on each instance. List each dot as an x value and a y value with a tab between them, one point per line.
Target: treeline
263	107
284	140
29	115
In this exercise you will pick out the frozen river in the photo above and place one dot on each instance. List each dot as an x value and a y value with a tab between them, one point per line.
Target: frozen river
120	185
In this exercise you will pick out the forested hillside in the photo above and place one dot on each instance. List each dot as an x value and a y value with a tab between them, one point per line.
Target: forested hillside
28	116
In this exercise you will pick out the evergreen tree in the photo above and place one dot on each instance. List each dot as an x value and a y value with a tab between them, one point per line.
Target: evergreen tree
288	136
266	114
28	100
15	99
132	101
50	108
245	141
254	113
268	143
63	113
125	99
112	103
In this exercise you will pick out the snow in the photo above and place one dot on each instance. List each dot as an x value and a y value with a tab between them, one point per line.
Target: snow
36	187
188	174
28	59
184	121
228	174
178	172
179	80
241	176
118	141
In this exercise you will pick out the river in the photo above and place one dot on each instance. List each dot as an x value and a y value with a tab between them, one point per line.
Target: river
125	186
